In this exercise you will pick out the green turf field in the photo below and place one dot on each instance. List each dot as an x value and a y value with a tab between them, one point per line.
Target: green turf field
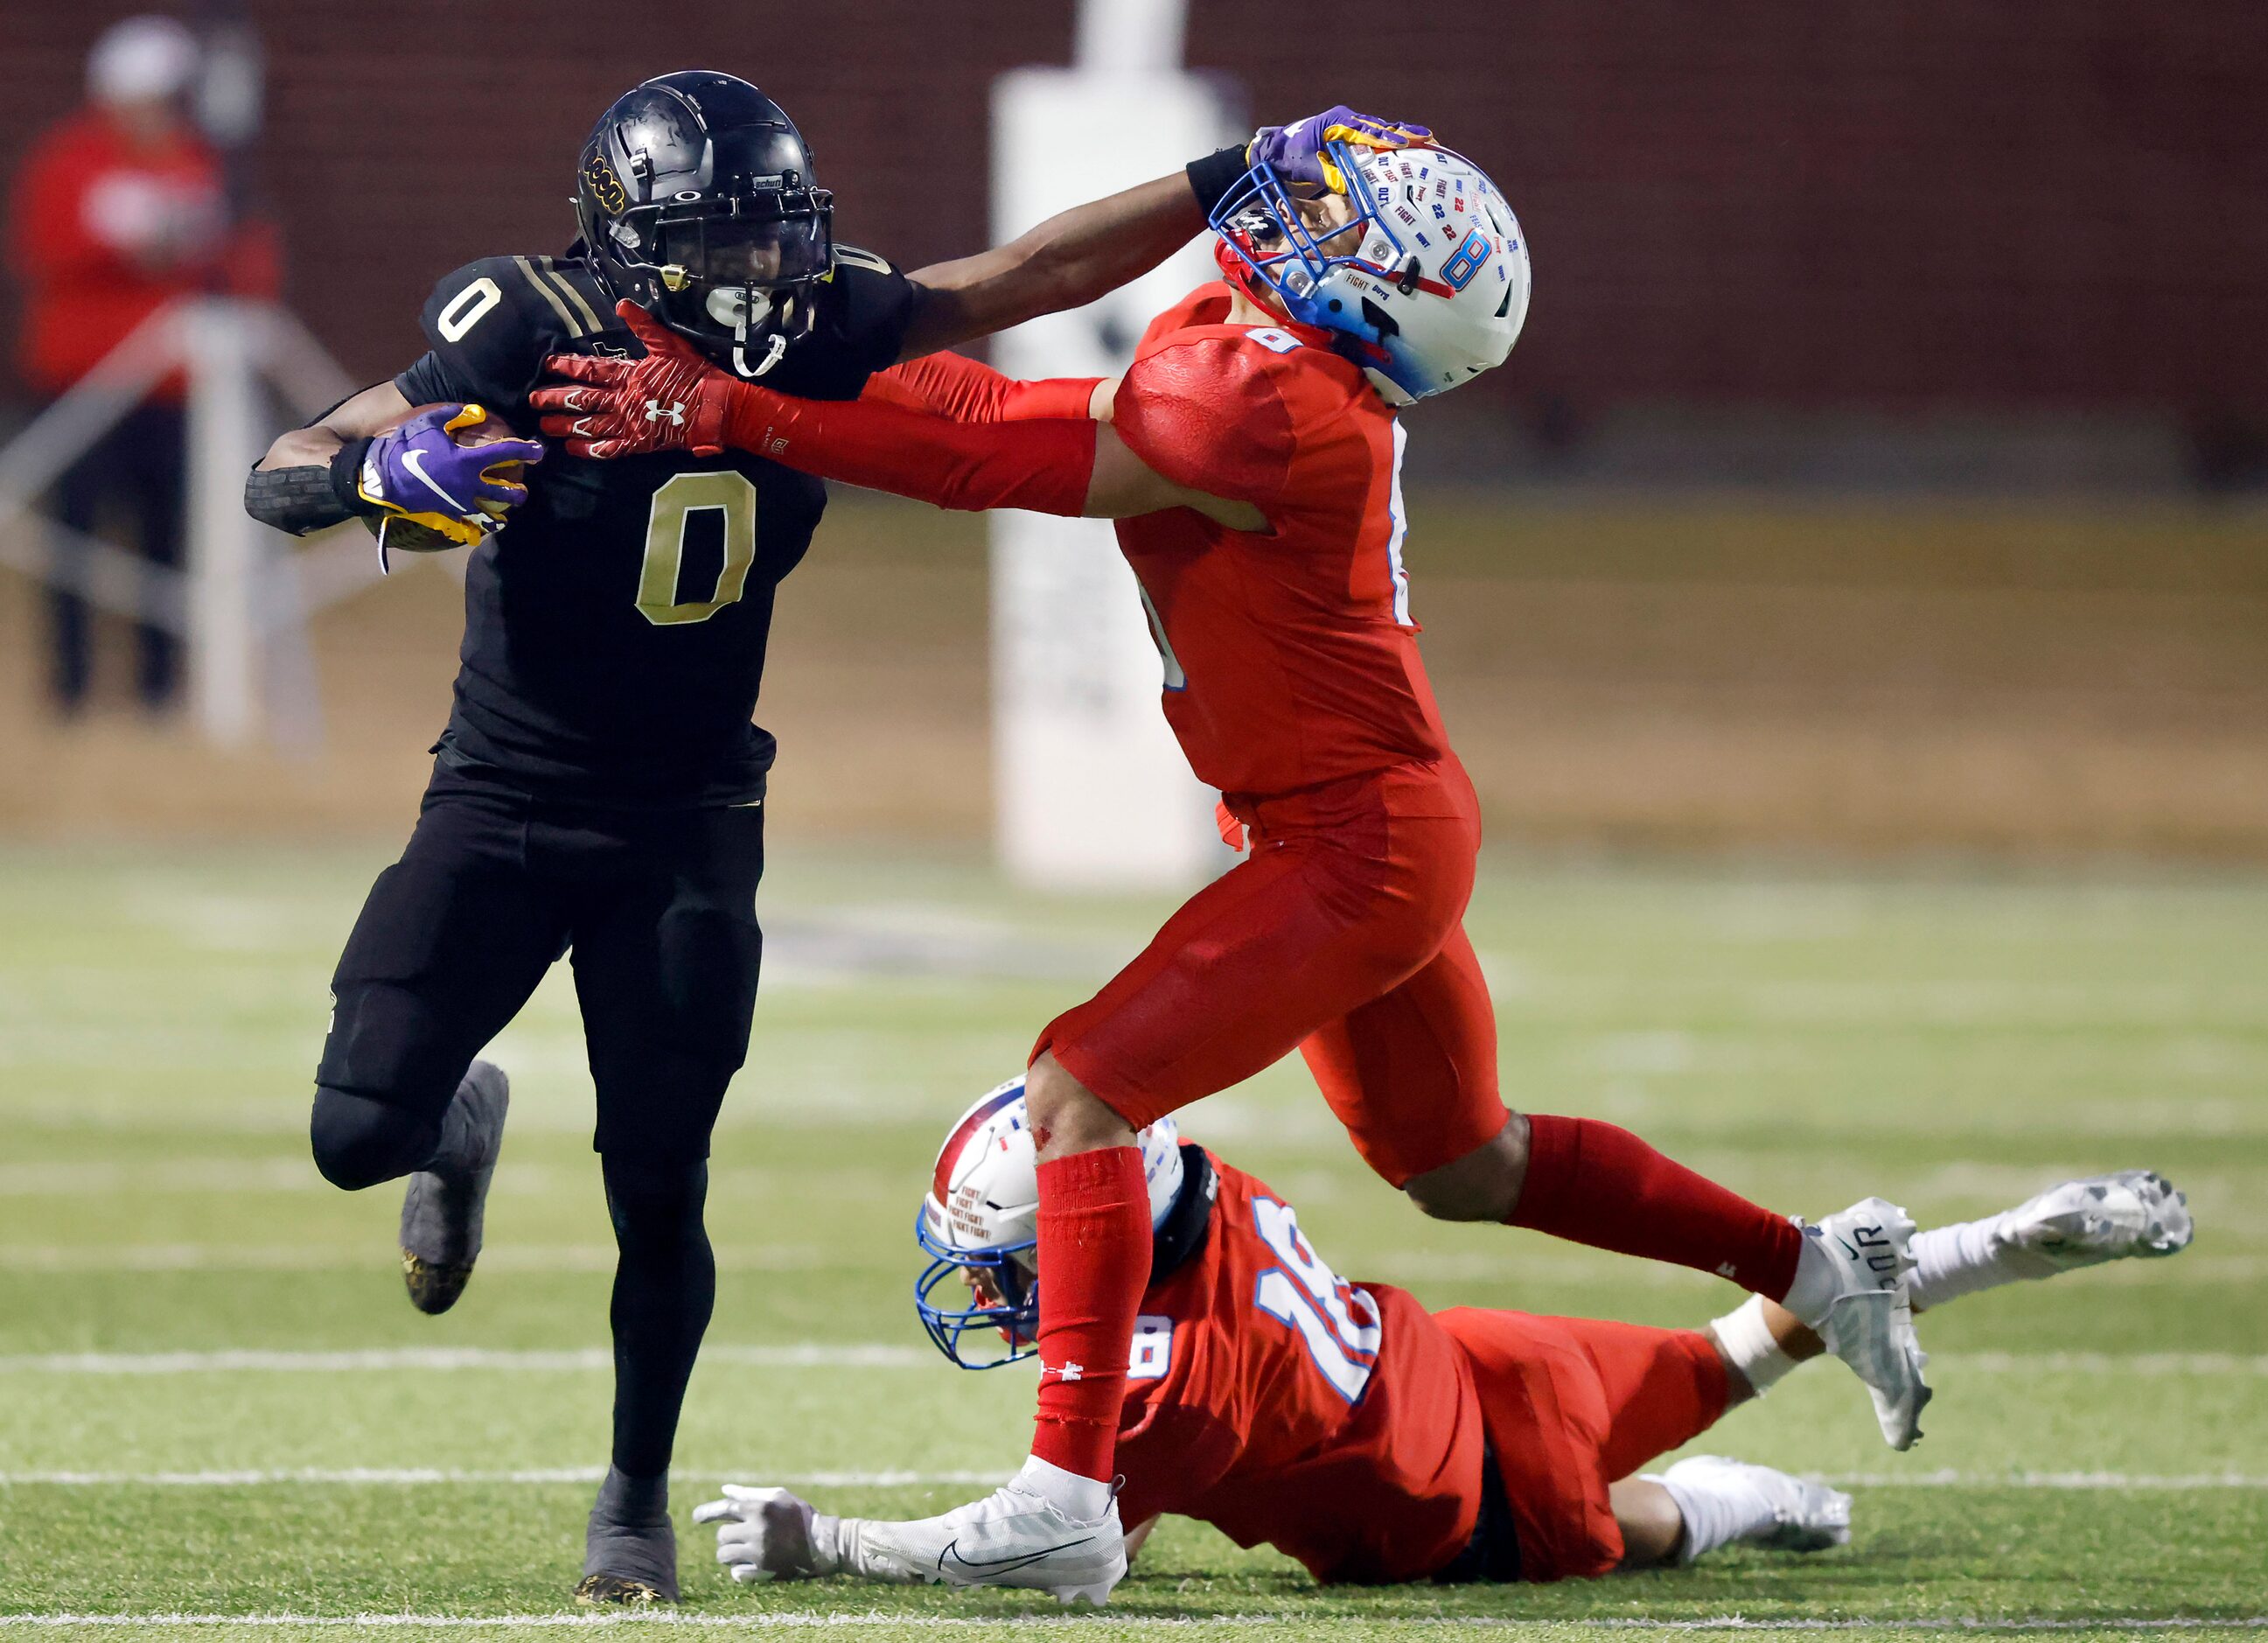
214	1401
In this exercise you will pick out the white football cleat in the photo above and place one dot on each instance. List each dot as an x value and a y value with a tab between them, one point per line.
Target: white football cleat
1806	1516
1869	1323
1011	1538
2084	1223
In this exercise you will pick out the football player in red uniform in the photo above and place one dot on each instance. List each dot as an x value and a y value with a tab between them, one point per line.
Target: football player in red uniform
1370	1439
1252	456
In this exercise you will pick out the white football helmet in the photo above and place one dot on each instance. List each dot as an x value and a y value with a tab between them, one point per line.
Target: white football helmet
1425	281
980	1221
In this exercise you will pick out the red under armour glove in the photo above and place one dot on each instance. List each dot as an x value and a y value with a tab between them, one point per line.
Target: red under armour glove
673	400
966	390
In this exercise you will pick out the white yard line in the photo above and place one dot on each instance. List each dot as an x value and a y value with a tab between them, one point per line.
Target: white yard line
1948	1478
792	1619
2104	1363
891	1355
1496	1267
371	1257
789	1355
411	1476
424	1475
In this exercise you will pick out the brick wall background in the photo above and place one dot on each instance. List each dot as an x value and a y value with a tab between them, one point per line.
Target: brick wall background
1906	203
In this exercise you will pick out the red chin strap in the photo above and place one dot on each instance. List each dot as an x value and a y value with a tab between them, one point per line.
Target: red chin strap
1240	275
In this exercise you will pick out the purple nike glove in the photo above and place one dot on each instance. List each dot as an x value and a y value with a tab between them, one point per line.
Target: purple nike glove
419	472
1297	151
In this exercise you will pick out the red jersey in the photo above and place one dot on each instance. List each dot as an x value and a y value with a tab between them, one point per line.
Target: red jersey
88	198
1289	657
1280	1404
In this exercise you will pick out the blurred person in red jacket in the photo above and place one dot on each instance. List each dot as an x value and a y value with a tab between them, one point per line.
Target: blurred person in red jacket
121	209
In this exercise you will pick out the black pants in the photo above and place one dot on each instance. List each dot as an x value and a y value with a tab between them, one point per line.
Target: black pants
658	910
657	907
139	468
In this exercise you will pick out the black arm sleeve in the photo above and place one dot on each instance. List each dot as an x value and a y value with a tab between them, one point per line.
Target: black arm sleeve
311	499
1212	177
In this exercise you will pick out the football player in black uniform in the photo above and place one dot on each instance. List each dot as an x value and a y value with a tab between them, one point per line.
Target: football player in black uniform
600	786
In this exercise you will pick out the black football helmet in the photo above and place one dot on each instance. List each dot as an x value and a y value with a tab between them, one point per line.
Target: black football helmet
697	202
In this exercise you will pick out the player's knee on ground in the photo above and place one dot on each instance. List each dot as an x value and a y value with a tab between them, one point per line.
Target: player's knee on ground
359	1142
1484	1185
1066	1116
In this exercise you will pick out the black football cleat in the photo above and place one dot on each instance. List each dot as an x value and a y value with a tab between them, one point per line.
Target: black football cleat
629	1551
442	1212
619	1591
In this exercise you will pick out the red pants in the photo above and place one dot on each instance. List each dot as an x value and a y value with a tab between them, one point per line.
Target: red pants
1340	935
1573	1405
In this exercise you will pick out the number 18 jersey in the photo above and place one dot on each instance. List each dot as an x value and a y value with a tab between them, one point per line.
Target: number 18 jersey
615	628
1282	1403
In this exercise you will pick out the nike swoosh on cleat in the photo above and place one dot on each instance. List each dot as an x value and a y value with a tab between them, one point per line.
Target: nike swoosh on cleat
1002	1565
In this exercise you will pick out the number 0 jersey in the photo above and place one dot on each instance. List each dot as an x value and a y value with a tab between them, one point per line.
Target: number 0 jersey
615	628
1281	1404
1291	659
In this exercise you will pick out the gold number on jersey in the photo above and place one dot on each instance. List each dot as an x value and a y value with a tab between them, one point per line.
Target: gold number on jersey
724	493
466	309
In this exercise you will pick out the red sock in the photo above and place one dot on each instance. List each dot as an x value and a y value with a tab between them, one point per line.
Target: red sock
1095	1261
1593	1184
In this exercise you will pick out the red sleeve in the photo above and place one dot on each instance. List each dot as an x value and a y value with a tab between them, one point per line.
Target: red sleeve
953	386
1044	467
1207	414
48	235
1169	1457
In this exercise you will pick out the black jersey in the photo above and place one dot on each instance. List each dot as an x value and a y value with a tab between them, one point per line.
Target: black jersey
615	628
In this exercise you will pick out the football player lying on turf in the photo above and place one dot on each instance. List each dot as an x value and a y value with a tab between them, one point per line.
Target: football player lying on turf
1252	456
1373	1440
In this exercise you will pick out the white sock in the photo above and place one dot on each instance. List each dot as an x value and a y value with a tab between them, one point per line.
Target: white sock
1818	1280
1719	1504
1749	1346
1082	1499
1950	1262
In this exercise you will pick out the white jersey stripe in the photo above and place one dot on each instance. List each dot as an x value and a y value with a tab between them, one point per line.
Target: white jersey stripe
1401	525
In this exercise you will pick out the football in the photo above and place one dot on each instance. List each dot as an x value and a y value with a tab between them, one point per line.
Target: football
408	537
490	429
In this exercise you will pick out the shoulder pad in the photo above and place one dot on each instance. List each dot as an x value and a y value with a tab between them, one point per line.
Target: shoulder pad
865	305
491	323
1203	408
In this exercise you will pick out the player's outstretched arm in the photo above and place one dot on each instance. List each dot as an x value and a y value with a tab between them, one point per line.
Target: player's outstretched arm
1090	250
774	1535
962	389
673	399
1070	259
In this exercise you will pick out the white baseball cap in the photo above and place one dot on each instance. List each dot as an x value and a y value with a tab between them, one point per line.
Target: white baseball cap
140	60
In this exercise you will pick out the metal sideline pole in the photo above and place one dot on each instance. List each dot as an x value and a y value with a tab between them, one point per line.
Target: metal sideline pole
1090	790
224	441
